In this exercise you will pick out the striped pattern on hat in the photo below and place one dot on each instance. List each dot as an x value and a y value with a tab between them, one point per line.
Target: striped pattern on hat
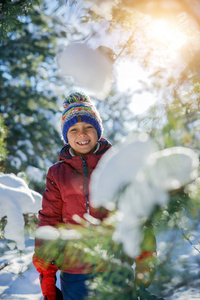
79	104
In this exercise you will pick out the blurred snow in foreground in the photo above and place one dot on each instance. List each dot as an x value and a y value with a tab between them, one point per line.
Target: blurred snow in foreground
135	177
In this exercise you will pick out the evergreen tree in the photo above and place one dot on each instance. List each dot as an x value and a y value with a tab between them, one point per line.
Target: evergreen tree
10	14
28	100
3	134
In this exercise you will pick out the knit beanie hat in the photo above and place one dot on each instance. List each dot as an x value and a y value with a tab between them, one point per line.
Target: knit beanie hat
79	104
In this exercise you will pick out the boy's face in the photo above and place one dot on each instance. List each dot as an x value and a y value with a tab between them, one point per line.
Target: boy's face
82	137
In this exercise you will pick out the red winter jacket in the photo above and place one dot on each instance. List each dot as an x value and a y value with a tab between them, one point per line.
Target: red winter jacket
67	191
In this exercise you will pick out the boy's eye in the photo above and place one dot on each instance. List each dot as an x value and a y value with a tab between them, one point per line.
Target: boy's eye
73	129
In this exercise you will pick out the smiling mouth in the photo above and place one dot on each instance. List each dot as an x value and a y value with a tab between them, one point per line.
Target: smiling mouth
83	143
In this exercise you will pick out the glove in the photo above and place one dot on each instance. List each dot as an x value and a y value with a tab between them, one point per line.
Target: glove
47	278
48	286
49	289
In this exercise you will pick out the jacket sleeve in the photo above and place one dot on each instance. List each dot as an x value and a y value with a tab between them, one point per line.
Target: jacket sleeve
51	212
51	215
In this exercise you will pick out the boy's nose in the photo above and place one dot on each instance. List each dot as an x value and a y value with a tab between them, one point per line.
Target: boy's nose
82	132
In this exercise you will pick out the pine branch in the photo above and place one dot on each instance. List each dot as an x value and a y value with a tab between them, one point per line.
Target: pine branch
187	238
4	265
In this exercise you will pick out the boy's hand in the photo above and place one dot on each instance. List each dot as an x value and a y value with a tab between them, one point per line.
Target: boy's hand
47	279
49	288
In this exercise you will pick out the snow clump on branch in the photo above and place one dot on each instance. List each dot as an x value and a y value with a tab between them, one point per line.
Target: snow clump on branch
16	199
134	178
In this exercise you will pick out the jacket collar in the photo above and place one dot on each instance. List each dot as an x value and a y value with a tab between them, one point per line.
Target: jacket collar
65	155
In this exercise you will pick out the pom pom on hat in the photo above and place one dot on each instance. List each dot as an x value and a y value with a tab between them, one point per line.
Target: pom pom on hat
75	97
79	104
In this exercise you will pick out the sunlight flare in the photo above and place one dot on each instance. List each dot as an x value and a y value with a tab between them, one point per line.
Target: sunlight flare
167	40
167	33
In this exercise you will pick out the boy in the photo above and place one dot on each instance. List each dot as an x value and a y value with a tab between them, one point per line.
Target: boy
67	190
67	194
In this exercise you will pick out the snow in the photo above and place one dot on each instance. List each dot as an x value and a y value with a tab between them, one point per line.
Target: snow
116	165
28	145
51	233
34	174
16	199
22	155
15	162
47	233
93	68
149	174
186	260
20	280
135	178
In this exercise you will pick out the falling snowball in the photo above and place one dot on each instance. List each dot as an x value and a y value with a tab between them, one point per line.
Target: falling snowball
91	69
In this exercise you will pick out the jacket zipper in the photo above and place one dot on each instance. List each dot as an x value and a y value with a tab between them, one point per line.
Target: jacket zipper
85	170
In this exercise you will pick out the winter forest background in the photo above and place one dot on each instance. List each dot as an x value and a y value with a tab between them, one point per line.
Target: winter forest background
139	62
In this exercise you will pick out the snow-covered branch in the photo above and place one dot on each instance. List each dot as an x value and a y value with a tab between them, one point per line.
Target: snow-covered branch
135	178
16	199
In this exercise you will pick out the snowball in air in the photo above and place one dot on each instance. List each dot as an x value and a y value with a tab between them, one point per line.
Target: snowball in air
91	69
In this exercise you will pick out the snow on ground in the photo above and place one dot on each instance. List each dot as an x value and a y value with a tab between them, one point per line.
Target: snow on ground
185	259
19	279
